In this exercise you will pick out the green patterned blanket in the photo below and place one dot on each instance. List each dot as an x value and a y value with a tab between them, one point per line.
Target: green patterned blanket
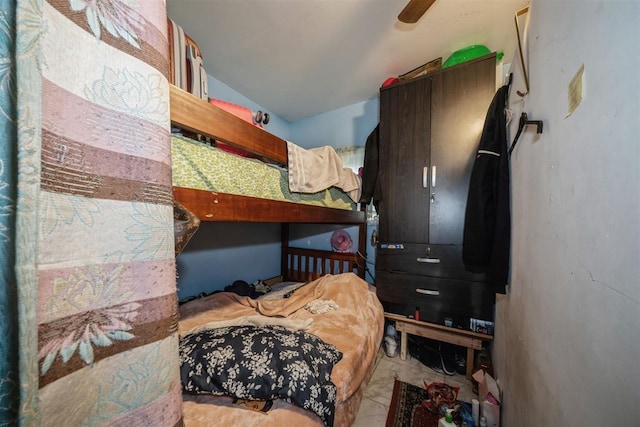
197	165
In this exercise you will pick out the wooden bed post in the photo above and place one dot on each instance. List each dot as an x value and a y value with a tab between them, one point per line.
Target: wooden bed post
284	261
362	245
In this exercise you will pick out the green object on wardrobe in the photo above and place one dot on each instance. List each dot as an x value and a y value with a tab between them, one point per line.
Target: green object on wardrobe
468	53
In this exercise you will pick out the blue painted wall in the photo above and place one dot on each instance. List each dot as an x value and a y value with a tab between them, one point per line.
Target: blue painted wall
219	90
318	236
343	127
220	253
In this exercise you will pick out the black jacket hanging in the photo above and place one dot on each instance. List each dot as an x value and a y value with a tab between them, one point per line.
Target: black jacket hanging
487	225
370	183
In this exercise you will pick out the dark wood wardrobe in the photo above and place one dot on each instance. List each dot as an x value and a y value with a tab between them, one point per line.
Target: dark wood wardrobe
430	127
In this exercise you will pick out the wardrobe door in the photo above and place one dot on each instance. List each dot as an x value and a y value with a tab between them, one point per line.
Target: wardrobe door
460	97
403	161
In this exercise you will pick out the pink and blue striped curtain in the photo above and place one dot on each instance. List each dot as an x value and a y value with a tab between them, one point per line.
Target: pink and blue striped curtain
89	310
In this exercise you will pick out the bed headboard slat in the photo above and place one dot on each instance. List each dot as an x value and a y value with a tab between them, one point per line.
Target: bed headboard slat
308	264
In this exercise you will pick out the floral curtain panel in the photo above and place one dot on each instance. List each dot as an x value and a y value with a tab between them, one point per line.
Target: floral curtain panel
94	264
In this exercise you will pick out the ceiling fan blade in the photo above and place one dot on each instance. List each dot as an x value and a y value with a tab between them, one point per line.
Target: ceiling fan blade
414	10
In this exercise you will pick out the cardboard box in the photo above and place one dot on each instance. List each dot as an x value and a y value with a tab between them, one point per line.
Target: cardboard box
430	66
489	396
481	326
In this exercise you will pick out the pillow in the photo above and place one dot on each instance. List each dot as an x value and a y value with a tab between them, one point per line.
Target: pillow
261	363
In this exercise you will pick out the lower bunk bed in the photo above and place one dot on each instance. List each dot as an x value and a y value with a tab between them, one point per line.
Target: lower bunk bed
304	351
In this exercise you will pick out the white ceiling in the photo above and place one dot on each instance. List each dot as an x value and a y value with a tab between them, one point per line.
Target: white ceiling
298	58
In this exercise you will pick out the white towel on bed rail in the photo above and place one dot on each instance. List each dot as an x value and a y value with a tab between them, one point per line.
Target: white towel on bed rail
316	169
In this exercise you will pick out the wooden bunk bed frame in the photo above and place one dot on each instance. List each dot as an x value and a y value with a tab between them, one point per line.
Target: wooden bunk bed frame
203	118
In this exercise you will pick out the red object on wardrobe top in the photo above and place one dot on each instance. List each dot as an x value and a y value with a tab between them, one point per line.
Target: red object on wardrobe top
390	81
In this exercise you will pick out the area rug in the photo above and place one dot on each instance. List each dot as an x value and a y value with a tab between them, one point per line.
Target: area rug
406	408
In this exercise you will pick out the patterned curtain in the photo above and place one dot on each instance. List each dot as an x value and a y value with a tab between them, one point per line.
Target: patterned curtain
92	246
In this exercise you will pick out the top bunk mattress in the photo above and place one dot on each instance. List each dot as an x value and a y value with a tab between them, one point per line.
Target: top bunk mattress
200	166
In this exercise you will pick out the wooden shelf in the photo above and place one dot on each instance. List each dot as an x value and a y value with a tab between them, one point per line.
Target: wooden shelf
461	337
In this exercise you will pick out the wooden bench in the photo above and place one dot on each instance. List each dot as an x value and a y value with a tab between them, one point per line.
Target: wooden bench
471	340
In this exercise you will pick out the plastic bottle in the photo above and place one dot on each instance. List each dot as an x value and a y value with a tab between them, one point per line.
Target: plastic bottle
475	411
447	421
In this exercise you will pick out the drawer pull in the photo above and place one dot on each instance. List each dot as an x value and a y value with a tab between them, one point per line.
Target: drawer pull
425	177
429	260
427	292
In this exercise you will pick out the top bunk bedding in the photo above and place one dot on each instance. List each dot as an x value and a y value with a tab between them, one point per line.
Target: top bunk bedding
218	186
201	166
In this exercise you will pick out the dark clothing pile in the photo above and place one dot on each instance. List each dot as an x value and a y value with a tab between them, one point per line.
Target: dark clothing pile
243	289
240	287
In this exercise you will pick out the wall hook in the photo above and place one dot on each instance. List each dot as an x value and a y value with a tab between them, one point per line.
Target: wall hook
524	121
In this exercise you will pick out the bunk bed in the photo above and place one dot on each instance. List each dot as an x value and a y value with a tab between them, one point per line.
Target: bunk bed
349	325
209	121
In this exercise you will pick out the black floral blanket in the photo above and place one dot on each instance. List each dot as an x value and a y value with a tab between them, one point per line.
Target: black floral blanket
261	363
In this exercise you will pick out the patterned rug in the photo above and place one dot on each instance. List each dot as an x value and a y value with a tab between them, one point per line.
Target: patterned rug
406	408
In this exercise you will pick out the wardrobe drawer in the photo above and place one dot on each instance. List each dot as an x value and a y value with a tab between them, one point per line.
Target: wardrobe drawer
436	298
426	260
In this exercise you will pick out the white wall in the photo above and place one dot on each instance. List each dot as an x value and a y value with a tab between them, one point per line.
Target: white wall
567	344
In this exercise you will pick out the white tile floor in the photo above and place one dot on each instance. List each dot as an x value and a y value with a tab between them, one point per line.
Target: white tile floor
377	396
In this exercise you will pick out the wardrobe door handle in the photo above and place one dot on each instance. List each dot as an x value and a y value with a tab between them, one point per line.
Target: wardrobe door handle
425	177
429	260
433	176
428	292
